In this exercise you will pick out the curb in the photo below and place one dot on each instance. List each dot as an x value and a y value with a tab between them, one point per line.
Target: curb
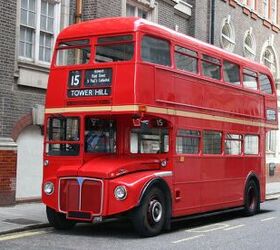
27	228
273	196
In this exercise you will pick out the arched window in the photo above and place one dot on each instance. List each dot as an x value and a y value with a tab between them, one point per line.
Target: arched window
269	59
249	46
227	35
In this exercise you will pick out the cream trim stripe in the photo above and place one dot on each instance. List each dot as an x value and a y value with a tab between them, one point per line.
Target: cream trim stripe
162	111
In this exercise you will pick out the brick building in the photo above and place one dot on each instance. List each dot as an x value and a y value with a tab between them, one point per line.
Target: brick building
249	28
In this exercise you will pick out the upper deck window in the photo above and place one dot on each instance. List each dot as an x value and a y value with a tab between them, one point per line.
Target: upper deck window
211	67
186	59
231	73
73	53
250	79
265	84
114	49
155	50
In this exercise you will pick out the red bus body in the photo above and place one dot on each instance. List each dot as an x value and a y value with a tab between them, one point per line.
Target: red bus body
170	100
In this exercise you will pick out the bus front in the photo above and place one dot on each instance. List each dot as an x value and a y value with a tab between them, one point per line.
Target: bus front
102	151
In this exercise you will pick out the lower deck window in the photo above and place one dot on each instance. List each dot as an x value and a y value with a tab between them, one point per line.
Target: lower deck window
212	142
149	141
233	143
251	146
187	142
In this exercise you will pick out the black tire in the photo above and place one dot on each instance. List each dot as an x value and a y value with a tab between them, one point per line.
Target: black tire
58	220
150	216
251	199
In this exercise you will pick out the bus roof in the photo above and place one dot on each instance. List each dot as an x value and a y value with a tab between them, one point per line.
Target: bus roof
116	25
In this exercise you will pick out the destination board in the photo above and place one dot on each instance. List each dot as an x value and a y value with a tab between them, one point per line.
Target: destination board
88	92
98	77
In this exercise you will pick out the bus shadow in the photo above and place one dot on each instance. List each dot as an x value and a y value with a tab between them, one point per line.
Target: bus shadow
123	229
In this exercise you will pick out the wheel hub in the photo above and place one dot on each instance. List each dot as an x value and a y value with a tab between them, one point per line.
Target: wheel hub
156	210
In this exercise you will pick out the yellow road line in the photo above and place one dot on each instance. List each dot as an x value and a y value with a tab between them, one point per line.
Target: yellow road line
21	235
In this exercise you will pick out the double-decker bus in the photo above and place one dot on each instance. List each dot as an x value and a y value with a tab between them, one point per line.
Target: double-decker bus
146	122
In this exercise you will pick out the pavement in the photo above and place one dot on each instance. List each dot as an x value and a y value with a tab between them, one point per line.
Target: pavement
27	216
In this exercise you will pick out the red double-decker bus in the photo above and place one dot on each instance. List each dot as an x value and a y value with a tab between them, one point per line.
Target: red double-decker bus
146	122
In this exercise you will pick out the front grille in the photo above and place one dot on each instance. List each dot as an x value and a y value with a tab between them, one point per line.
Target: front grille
81	195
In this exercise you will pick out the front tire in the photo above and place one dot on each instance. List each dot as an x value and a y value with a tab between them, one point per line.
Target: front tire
58	220
150	217
252	199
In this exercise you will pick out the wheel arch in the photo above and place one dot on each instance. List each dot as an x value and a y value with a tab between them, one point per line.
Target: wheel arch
255	178
163	186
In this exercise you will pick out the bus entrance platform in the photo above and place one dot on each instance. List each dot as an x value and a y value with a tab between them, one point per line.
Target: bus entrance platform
28	216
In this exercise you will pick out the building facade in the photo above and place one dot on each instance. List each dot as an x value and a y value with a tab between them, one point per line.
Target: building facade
249	28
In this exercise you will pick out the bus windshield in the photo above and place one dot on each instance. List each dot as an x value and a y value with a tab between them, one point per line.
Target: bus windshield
100	135
63	136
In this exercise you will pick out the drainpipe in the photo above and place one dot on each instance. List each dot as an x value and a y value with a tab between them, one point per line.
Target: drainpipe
78	14
212	22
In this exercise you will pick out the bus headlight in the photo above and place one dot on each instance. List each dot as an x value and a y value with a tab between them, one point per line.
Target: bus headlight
120	192
48	188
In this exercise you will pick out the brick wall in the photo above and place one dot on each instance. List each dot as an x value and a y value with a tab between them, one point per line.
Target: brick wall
8	160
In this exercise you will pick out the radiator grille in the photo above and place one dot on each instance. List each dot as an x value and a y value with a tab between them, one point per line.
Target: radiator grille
81	195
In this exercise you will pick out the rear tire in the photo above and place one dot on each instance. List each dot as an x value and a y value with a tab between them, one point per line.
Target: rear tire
58	220
149	218
252	199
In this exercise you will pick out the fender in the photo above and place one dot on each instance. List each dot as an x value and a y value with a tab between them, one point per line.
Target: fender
252	175
136	185
162	184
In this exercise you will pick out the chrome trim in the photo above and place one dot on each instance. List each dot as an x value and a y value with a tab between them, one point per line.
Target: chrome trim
80	193
164	174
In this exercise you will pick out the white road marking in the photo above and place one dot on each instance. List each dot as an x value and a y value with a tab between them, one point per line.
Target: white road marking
205	229
270	218
21	235
189	238
234	227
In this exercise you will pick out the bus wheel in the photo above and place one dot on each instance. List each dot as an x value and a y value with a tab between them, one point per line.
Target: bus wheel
149	218
58	220
252	200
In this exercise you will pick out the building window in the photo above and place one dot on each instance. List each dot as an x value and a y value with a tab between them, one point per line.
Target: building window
38	29
249	45
227	35
146	9
268	59
265	9
271	141
274	10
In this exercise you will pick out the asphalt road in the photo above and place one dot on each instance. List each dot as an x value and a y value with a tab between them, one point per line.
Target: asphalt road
229	230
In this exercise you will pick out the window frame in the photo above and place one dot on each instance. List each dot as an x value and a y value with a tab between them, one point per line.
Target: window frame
199	137
36	33
245	144
219	64
221	142
188	55
170	46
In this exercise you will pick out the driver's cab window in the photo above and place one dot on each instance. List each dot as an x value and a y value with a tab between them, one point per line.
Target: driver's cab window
100	135
151	137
